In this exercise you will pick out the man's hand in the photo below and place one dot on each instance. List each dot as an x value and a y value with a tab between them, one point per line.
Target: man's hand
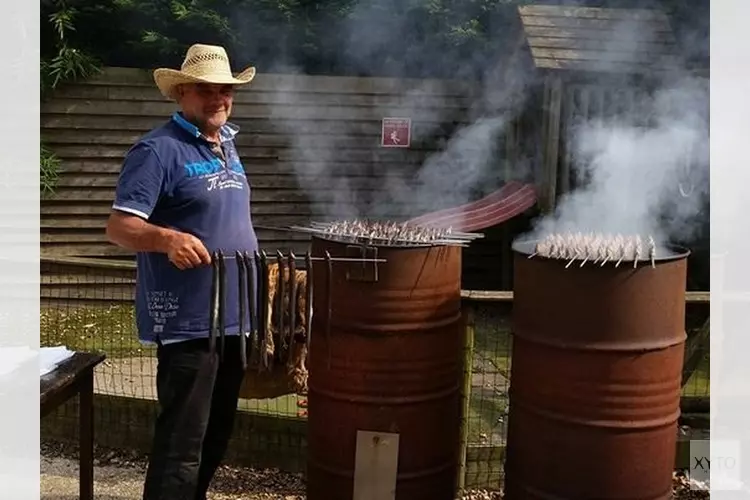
186	251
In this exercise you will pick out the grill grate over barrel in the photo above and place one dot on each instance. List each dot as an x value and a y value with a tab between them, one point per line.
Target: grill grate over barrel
386	233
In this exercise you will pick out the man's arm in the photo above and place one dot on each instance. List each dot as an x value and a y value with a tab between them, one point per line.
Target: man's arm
139	188
132	232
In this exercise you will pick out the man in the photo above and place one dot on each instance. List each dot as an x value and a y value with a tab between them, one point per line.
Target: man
182	194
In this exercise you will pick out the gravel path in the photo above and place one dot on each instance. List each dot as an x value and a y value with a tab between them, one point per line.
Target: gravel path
119	476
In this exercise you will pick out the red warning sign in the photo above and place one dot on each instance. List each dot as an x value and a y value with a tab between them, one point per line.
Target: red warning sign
396	133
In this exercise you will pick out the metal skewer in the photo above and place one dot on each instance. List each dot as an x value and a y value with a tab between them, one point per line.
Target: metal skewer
333	259
332	228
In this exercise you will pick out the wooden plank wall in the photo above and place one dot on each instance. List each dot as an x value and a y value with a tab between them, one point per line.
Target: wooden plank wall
284	119
70	282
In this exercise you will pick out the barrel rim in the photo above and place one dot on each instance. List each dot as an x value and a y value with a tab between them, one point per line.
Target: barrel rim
525	247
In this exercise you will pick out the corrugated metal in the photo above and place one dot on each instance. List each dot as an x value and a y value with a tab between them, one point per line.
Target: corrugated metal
496	208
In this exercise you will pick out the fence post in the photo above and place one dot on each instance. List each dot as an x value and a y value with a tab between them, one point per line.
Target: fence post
468	313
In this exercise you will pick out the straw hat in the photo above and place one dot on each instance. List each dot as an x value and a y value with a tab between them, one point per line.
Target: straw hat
202	64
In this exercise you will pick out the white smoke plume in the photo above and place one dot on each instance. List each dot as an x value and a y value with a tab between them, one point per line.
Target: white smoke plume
643	171
338	179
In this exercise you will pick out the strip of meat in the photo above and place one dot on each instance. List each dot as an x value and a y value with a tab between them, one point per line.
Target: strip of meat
242	275
222	302
214	306
309	303
279	300
329	292
252	302
260	269
292	304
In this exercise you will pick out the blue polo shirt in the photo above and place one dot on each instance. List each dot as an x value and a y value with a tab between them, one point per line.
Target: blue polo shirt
171	178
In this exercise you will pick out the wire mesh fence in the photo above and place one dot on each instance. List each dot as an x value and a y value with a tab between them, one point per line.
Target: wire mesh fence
88	306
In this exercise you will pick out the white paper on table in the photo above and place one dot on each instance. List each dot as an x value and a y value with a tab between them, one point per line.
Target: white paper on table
11	358
51	357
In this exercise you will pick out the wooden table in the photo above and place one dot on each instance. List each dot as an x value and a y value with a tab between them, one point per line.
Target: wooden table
75	376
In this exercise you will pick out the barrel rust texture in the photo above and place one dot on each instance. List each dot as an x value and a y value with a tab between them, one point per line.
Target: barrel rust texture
595	378
389	360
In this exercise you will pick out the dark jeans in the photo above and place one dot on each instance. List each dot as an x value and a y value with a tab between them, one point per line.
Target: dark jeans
198	399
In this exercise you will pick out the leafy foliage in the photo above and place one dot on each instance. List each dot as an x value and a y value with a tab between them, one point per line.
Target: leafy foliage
368	37
49	167
65	63
404	38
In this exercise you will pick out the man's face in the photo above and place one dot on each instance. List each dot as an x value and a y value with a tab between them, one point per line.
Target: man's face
208	105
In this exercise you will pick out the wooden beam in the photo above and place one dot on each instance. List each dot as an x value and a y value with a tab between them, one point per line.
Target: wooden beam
550	142
697	297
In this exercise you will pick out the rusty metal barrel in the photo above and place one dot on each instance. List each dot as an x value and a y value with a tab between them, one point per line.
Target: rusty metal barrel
596	366
385	368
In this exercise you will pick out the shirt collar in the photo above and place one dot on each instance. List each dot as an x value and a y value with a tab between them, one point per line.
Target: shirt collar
226	132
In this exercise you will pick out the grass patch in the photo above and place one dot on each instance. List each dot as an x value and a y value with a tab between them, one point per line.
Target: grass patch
112	330
109	329
699	383
492	341
487	418
285	406
491	369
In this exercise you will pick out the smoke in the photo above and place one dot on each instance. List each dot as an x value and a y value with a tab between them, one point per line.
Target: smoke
642	170
345	174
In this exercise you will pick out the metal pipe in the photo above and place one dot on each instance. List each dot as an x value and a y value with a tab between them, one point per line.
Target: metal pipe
333	259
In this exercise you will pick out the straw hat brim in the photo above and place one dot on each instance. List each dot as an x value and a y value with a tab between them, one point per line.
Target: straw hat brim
167	78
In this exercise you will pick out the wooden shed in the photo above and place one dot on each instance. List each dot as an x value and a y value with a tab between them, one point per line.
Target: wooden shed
593	62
